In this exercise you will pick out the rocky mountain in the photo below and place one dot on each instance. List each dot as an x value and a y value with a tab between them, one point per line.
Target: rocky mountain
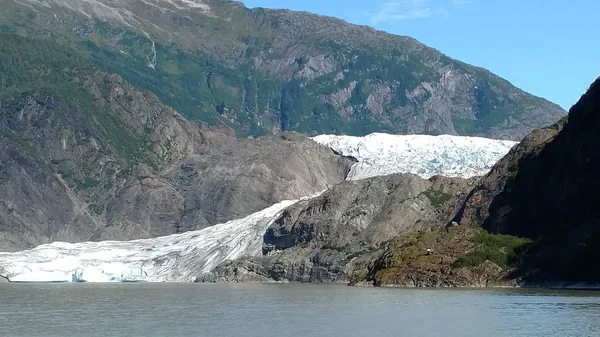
265	71
85	156
531	220
92	147
537	207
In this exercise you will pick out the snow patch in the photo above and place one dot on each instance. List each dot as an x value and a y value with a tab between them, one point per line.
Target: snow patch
383	154
193	4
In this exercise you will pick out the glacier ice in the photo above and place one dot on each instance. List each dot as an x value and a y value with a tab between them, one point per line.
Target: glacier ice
183	257
453	156
174	258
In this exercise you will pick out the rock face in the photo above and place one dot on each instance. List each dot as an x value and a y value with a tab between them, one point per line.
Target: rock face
325	239
83	156
226	181
475	209
547	189
266	71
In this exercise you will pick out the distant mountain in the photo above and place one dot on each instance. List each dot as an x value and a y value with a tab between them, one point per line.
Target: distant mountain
265	71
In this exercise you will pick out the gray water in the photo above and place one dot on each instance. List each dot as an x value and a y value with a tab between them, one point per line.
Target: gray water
173	310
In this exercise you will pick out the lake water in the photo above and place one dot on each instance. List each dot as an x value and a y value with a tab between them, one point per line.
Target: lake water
173	310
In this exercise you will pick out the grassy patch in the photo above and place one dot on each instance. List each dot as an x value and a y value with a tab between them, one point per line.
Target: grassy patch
437	198
503	250
445	256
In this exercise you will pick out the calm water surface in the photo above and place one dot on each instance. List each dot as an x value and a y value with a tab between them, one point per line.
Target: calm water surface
173	310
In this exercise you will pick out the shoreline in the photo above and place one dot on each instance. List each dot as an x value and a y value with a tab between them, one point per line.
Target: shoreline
548	286
578	286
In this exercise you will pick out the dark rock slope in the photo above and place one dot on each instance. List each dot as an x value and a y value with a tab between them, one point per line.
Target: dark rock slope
538	209
547	190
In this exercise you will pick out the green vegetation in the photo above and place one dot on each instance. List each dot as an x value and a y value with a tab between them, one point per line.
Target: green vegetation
437	198
439	254
51	76
45	71
204	90
503	250
27	65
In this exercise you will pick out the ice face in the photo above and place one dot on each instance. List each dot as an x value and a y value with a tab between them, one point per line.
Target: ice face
174	258
452	156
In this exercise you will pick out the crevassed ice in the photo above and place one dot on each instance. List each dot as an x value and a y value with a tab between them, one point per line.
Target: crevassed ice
174	258
453	156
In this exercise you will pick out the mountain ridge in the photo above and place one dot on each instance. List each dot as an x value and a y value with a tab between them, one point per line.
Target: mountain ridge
263	71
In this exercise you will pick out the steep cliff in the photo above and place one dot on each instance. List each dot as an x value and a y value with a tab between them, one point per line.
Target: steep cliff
550	194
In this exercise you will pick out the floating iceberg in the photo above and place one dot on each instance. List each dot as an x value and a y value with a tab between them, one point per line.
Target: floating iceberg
174	258
452	156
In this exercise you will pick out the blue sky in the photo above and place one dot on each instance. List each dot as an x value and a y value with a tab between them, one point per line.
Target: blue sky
550	48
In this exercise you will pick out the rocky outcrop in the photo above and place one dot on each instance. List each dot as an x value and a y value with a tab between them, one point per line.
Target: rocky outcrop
432	258
328	238
475	209
296	265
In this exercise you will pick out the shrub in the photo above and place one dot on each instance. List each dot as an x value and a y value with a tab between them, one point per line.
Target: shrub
437	198
503	250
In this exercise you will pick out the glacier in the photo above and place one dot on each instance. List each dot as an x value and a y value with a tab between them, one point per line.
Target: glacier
185	257
427	156
173	258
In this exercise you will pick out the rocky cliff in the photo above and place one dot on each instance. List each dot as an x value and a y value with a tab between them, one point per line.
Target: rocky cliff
544	191
265	71
549	193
